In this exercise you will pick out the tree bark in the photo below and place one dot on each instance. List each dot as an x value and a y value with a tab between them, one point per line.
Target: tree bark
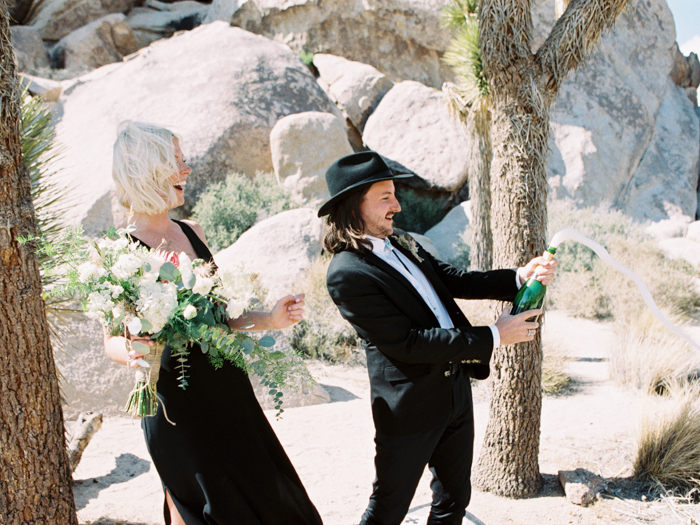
35	478
523	87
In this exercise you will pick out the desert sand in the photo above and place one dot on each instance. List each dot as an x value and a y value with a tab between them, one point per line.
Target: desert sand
591	426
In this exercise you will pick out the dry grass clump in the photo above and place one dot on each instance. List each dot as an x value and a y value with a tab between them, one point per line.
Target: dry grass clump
668	443
555	379
652	358
324	334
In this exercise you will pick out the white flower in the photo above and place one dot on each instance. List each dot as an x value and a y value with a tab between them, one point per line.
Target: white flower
235	309
203	285
99	303
118	311
127	265
185	263
156	303
120	244
89	270
115	289
190	312
155	260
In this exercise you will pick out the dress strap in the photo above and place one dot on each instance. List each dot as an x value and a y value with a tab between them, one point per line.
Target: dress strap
199	247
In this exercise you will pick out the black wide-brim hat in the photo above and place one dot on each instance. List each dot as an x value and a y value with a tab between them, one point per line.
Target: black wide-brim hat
350	173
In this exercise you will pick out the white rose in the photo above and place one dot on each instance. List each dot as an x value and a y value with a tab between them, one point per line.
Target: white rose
235	309
190	312
185	263
126	266
203	285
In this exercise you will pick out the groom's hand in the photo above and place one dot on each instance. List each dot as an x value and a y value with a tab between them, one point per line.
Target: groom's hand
516	328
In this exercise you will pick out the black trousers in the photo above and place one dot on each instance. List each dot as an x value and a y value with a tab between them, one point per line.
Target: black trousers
401	460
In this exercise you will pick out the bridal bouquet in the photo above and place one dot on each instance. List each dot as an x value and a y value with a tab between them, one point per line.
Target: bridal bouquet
179	302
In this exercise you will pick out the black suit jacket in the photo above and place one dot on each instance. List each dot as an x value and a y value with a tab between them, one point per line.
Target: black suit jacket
407	351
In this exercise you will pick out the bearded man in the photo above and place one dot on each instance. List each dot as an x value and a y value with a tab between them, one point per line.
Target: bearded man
421	349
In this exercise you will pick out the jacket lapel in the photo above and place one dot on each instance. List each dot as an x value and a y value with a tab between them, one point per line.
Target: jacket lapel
443	293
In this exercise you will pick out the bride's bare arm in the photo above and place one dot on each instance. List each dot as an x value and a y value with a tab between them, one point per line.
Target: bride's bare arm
286	312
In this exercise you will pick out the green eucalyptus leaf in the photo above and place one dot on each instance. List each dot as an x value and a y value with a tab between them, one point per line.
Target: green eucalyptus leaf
205	347
248	346
188	280
276	355
169	272
140	347
259	367
146	325
267	341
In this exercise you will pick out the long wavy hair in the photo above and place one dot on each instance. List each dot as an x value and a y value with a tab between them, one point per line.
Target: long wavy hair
345	227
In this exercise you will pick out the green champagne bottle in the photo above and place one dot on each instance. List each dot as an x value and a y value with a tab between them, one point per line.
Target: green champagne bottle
531	294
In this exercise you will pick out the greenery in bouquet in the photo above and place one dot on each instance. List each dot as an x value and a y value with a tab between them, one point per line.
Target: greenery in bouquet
181	303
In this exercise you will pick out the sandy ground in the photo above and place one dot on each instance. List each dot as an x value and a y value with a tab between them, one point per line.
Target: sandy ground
331	445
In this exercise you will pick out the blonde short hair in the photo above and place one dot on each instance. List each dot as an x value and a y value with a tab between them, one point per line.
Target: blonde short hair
143	162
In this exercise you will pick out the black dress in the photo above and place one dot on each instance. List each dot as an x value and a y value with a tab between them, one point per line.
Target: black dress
221	462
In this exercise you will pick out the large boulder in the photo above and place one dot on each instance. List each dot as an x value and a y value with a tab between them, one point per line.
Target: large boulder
403	38
278	249
293	139
156	20
623	134
356	88
412	125
30	51
106	40
451	231
54	19
224	104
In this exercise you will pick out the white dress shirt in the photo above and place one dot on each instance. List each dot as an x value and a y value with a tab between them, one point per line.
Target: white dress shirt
383	249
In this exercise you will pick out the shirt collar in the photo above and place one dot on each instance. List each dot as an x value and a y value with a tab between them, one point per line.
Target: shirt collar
378	245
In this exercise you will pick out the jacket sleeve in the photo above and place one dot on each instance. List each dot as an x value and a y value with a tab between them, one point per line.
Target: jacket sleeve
498	285
383	320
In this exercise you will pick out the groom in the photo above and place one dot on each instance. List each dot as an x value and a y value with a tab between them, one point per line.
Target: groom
421	349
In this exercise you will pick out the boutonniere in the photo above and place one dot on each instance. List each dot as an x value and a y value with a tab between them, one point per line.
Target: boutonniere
410	244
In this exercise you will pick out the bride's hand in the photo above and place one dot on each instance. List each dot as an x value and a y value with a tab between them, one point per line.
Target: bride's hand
134	356
287	311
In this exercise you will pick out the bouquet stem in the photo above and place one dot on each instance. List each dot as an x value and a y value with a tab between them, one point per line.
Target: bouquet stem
143	401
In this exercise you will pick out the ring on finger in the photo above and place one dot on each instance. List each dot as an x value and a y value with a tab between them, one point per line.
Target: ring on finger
531	332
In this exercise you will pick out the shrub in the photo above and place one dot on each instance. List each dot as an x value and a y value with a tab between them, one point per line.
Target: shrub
324	334
420	211
226	209
668	448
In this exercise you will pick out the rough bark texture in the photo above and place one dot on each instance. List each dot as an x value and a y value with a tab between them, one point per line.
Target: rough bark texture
35	479
523	87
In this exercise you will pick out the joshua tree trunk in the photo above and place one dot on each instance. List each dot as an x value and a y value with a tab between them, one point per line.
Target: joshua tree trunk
523	86
35	476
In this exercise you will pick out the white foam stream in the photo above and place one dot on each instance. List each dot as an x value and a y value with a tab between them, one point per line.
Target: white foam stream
571	234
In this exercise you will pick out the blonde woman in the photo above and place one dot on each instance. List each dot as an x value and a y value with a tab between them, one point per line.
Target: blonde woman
221	462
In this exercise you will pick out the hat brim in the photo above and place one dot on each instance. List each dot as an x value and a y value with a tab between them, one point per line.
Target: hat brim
385	175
